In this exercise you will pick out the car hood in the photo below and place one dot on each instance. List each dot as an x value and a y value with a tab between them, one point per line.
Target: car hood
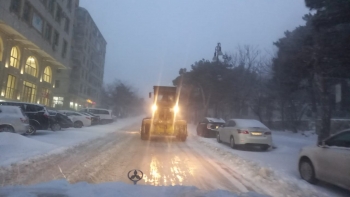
63	188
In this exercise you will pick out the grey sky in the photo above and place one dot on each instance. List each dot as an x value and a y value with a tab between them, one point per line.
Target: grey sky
150	40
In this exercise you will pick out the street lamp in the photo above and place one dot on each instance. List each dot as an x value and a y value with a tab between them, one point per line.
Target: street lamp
217	52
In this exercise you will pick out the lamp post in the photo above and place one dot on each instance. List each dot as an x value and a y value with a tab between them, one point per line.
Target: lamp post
217	52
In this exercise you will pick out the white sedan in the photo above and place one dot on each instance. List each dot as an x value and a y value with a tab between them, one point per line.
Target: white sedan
328	161
245	132
79	120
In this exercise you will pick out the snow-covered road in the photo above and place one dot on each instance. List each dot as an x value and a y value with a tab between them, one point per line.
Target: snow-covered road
165	161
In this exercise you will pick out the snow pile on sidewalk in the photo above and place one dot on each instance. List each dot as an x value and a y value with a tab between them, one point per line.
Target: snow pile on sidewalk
15	147
283	159
74	136
274	170
63	188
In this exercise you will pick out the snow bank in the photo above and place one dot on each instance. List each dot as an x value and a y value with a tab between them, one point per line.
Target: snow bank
276	169
63	188
15	147
74	136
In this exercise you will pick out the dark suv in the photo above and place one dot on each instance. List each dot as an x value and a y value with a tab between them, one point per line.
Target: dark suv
37	114
207	127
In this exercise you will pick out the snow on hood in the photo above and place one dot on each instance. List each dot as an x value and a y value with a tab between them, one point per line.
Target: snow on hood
215	120
63	188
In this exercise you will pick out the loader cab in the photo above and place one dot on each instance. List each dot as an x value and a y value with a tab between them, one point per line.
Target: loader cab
164	101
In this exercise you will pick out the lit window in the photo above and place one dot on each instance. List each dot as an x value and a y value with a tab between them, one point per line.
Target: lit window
71	104
57	101
10	87
1	49
29	91
45	97
31	66
14	58
47	74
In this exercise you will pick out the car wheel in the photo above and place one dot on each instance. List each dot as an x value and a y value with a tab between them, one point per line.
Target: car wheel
181	137
78	124
31	130
218	137
232	142
264	147
198	132
55	127
307	171
205	133
145	132
7	129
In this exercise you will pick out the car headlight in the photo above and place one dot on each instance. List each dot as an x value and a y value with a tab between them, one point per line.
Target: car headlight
154	107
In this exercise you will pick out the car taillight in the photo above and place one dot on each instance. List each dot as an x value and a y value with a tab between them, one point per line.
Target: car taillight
268	133
243	132
88	118
24	120
208	126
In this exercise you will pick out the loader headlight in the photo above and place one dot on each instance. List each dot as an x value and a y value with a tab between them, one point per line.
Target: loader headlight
154	107
176	109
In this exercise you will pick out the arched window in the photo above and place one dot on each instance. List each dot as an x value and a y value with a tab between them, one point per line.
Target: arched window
14	58
31	66
1	49
47	74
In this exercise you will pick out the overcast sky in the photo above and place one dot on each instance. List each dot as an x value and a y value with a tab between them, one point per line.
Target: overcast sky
148	41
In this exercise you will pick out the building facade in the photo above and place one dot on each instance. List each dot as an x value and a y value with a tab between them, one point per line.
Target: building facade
80	86
35	44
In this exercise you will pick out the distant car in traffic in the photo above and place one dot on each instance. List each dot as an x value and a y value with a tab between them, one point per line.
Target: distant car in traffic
208	126
328	161
79	120
12	119
245	132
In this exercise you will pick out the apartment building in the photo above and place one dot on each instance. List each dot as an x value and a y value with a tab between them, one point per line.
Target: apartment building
80	86
35	44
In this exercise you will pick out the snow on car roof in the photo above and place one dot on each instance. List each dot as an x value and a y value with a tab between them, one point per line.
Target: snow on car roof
248	123
215	120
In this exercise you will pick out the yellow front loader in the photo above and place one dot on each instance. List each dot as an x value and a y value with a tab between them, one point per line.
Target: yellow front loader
165	119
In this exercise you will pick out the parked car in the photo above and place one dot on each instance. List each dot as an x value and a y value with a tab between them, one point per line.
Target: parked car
95	119
245	132
37	114
104	114
79	120
59	120
328	161
12	119
207	127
